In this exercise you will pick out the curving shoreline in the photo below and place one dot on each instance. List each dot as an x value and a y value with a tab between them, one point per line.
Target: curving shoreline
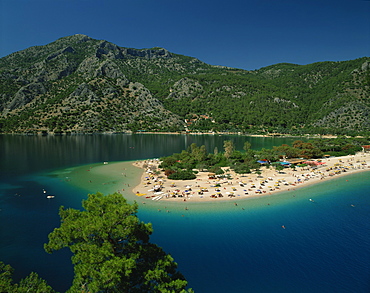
130	179
269	182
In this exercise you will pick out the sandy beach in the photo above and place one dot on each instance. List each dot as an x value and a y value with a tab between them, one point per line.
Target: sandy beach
154	185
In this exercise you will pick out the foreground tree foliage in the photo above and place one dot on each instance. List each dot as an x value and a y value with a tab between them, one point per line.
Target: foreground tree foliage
32	283
111	248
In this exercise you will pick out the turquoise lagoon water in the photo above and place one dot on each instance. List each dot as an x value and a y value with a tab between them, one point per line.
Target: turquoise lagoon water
220	247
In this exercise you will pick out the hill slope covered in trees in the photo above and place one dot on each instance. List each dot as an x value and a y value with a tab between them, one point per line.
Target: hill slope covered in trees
81	85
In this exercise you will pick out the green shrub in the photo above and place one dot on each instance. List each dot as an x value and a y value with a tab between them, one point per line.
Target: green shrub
182	175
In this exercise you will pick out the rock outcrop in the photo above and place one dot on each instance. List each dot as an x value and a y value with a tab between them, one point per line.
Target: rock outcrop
26	94
185	88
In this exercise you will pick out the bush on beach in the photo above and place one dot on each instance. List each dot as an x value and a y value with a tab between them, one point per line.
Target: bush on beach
182	175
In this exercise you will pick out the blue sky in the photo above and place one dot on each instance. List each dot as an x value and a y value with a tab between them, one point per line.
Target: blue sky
237	33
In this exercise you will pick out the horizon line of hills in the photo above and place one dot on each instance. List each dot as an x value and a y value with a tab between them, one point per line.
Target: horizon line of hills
81	85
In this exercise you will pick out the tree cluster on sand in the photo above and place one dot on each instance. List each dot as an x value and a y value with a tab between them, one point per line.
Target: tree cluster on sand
183	166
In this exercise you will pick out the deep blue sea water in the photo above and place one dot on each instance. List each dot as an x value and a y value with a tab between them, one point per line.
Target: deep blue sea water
220	247
323	248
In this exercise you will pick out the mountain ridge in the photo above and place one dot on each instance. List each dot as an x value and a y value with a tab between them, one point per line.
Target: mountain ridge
77	84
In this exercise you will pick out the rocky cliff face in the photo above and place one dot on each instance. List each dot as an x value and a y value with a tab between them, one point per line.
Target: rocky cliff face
185	87
78	83
26	94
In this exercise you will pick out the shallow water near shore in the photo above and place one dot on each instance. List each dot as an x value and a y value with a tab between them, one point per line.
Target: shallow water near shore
219	246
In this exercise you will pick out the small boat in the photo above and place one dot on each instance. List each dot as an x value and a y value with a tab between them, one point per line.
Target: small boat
50	196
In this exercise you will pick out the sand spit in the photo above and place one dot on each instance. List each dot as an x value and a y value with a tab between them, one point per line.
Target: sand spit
154	185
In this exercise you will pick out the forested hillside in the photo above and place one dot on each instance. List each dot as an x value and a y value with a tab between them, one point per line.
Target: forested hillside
81	85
